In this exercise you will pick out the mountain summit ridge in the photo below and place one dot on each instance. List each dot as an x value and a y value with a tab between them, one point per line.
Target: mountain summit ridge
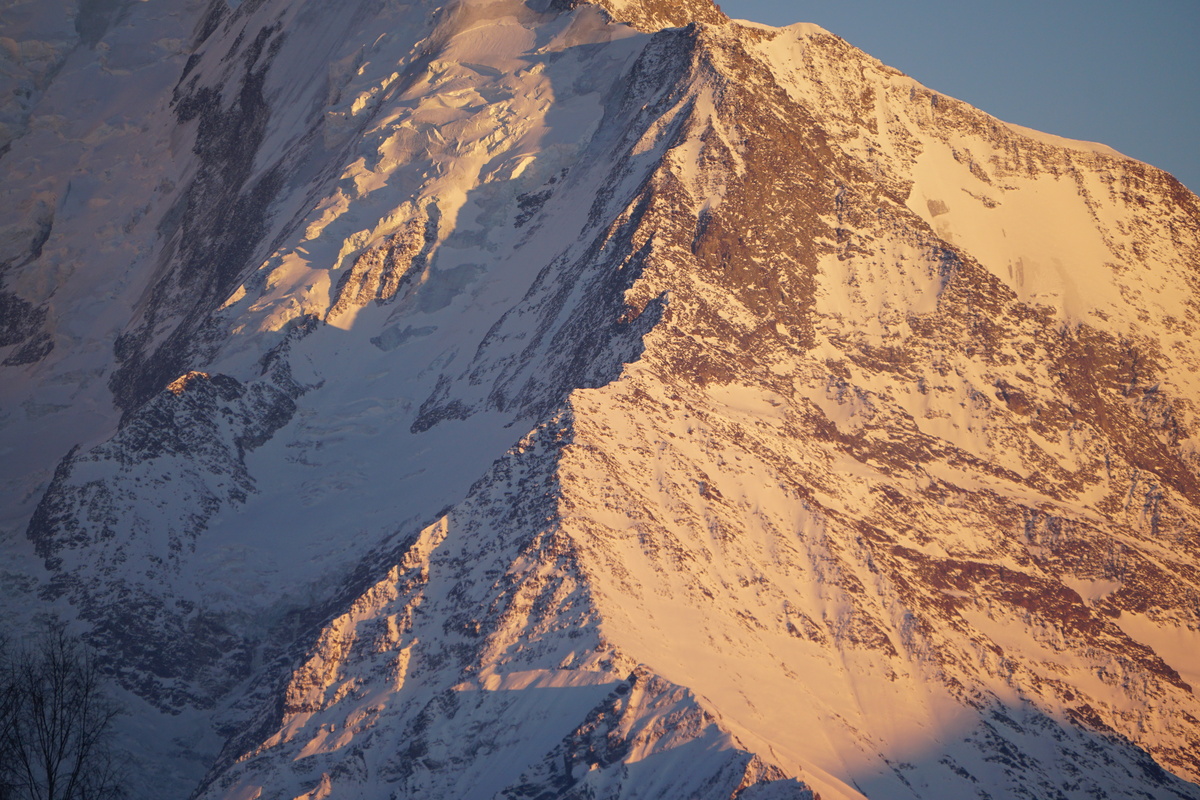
493	399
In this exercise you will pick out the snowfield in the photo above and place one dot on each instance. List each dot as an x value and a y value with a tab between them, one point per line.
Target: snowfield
516	399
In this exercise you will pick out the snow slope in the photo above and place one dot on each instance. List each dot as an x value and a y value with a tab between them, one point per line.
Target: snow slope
495	399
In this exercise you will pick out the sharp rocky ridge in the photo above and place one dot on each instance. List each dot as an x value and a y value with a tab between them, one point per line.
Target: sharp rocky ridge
551	399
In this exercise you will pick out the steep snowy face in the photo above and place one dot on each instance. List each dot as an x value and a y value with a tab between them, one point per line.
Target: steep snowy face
870	451
416	168
476	668
156	155
516	402
847	489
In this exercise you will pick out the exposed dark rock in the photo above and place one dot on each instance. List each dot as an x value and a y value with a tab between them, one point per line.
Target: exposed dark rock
187	444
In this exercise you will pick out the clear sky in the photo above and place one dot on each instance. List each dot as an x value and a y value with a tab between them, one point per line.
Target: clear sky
1120	72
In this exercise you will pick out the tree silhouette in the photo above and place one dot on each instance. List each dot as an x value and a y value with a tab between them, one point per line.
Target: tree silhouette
55	723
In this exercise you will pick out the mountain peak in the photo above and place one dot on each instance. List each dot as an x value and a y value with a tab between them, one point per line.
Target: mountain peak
516	404
653	15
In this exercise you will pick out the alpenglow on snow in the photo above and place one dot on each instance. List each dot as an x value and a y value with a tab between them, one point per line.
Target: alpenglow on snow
502	399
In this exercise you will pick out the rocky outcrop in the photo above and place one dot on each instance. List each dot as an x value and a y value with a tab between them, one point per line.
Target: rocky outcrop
649	731
654	15
120	522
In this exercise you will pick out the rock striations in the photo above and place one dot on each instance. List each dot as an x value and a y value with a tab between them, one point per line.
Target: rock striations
535	399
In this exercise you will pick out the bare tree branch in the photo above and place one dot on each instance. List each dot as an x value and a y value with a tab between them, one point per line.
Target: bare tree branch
55	723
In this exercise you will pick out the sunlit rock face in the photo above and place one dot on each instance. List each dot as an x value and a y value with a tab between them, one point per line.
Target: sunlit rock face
501	399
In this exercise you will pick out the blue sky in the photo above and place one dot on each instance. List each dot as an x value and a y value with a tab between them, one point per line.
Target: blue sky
1114	71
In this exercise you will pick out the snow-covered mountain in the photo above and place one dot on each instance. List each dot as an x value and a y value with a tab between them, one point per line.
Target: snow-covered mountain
546	399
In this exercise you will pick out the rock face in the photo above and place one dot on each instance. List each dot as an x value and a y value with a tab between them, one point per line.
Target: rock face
501	399
148	495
